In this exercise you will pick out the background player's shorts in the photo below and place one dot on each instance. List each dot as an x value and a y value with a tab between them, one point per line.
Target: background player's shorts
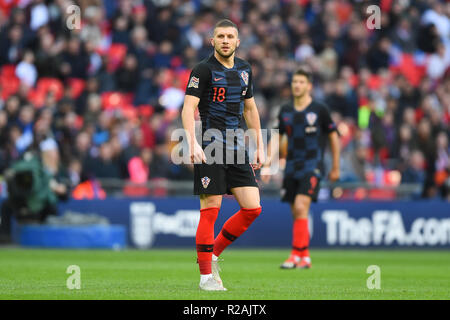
308	185
220	178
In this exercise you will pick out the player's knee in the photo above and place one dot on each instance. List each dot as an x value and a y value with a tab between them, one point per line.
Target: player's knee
300	210
210	201
213	204
251	214
298	207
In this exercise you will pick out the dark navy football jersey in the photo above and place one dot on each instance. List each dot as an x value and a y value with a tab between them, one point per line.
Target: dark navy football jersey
307	131
222	92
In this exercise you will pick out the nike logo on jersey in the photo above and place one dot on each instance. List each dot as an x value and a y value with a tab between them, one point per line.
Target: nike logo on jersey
217	79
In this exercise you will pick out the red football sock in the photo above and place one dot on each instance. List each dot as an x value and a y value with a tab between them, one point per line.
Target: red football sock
234	227
300	238
204	238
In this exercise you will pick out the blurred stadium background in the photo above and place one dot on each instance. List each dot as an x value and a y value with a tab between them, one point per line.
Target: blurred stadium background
110	92
99	102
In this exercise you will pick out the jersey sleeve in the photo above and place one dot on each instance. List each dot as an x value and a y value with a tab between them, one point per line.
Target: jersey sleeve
249	93
198	80
327	123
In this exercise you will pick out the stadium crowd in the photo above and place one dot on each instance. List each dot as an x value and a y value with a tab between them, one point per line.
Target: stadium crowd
102	98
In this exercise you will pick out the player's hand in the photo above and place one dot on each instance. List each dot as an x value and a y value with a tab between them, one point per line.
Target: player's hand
282	163
334	175
259	159
197	154
265	174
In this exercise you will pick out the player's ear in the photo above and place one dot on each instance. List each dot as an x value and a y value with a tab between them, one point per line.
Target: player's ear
238	43
211	40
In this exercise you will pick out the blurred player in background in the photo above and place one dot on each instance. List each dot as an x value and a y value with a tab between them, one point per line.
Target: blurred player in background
221	87
303	125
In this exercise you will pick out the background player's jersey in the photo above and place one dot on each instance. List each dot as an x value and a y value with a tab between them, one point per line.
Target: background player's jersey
307	132
222	92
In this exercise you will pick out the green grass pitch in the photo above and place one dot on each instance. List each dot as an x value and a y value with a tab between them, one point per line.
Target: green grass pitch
248	274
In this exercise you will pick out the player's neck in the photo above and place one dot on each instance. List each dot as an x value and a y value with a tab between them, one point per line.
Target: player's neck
300	103
226	62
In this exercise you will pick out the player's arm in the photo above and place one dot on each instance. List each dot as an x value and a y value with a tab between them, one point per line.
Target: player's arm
277	147
198	83
335	153
188	118
253	122
328	126
283	145
277	142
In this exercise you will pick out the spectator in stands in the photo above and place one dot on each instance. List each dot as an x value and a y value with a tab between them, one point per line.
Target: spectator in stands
12	45
91	87
26	71
436	15
101	133
388	129
120	30
40	15
25	122
93	109
47	55
75	62
414	173
12	106
140	47
442	161
133	149
82	147
428	38
4	156
159	164
426	144
163	57
105	76
91	30
18	17
403	146
340	101
127	76
353	164
404	37
438	62
328	62
74	170
88	189
103	166
378	56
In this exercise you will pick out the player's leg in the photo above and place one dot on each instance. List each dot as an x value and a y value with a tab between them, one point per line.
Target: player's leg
209	184
300	233
300	193
289	192
204	237
249	201
242	184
